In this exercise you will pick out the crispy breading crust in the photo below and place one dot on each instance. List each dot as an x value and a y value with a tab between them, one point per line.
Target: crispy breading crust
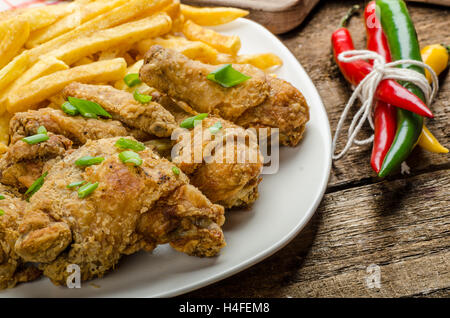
261	101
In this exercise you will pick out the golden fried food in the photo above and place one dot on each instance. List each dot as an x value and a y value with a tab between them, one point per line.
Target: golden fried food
13	269
23	163
150	117
261	101
134	208
228	173
76	128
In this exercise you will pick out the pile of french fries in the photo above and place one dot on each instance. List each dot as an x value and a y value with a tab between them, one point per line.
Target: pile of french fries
43	49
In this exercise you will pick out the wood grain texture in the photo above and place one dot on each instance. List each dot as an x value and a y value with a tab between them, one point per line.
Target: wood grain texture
439	2
278	16
401	224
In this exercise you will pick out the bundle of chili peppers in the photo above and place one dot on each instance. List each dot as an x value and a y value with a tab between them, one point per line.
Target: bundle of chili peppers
399	107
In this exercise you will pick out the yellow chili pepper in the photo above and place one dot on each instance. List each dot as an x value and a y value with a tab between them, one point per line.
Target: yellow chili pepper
436	56
428	142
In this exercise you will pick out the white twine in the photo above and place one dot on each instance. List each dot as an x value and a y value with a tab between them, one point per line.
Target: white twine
366	89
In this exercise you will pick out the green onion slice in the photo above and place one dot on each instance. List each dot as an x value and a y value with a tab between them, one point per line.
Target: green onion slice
132	79
2	197
35	186
42	130
141	98
214	129
191	121
125	143
87	189
35	139
87	107
176	170
2	212
75	184
130	157
88	161
69	109
227	76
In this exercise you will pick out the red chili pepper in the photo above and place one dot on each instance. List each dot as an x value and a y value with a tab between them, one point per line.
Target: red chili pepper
385	128
376	40
385	118
388	91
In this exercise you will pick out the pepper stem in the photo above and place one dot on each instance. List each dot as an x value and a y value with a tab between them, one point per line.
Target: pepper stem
351	12
447	47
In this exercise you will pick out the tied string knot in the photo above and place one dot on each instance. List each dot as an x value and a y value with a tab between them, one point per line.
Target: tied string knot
366	90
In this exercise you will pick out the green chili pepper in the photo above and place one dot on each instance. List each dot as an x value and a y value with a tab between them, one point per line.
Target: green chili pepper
403	44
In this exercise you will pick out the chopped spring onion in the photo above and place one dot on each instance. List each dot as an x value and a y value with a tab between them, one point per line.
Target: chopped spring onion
69	109
175	170
89	161
35	139
42	130
87	189
141	98
214	129
227	76
75	184
2	197
132	79
88	108
35	186
191	121
2	212
130	157
125	143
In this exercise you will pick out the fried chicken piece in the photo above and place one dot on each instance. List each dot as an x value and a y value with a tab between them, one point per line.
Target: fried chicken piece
151	117
12	268
230	162
133	208
23	163
261	101
76	128
231	184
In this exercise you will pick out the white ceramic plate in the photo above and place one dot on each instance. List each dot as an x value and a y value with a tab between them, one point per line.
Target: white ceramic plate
287	201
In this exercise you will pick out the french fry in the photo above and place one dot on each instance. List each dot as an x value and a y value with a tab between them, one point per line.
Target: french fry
13	70
4	131
56	100
45	66
13	13
42	88
15	34
120	84
115	17
45	16
80	15
192	49
223	58
127	33
263	61
212	16
172	10
222	43
83	61
111	53
178	23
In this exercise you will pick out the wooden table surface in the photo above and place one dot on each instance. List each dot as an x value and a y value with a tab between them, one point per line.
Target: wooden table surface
395	229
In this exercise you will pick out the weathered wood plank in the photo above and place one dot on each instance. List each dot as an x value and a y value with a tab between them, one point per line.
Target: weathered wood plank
402	226
311	45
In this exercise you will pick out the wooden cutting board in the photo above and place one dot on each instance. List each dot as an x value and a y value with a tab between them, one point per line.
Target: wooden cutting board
279	16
